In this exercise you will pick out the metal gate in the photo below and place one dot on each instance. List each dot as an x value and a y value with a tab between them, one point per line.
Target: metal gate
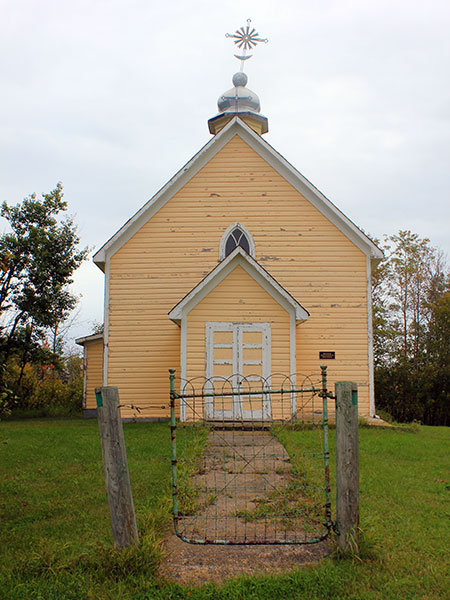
262	479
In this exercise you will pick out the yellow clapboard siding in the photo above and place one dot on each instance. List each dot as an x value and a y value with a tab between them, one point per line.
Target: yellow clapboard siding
165	259
94	371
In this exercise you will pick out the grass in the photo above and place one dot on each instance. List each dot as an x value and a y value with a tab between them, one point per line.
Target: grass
291	509
297	504
55	540
191	441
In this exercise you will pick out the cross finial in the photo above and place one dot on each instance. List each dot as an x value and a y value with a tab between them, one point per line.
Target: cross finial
247	39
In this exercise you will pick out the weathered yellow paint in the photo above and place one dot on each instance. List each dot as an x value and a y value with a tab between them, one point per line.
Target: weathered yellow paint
94	371
179	245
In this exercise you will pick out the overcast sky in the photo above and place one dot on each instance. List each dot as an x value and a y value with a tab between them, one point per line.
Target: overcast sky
113	97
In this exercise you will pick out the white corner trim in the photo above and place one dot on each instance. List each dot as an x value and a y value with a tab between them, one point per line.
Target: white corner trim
237	127
293	360
238	258
183	365
106	324
245	231
84	377
370	339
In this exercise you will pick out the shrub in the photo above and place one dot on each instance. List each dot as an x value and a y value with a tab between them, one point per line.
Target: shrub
43	389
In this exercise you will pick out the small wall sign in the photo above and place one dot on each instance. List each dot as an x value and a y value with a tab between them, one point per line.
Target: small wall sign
327	355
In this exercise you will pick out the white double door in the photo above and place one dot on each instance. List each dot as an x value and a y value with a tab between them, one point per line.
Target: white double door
237	359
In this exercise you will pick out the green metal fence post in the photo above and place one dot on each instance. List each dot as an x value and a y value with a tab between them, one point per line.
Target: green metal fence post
173	430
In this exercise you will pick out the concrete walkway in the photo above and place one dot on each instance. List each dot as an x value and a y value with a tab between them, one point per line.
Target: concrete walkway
248	493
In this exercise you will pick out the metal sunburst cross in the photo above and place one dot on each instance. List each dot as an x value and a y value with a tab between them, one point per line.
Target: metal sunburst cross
247	39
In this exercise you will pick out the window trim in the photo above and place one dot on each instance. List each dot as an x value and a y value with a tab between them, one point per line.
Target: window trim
226	235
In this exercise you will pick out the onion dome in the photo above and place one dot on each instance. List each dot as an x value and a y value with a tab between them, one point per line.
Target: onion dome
242	102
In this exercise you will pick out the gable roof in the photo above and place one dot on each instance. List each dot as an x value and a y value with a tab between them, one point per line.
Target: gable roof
238	258
237	127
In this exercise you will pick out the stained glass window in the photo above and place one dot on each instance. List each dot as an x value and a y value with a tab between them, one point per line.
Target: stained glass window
235	239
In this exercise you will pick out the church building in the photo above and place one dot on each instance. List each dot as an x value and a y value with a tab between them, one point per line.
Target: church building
238	265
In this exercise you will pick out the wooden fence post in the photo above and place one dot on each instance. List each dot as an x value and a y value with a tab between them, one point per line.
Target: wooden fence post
117	478
347	466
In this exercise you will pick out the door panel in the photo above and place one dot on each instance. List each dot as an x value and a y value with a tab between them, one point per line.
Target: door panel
222	371
223	337
252	337
252	372
252	354
223	354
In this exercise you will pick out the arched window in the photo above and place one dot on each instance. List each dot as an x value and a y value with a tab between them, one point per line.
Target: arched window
236	235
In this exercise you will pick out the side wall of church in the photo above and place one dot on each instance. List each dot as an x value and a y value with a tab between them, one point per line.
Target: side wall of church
93	352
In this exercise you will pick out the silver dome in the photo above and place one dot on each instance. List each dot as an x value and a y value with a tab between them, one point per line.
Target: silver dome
239	98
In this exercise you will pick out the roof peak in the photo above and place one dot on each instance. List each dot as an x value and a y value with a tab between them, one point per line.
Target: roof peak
203	156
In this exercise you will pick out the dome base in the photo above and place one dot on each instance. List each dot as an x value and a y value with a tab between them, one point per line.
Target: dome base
258	123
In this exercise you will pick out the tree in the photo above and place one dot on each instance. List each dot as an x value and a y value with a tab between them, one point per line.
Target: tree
439	331
408	287
37	259
405	285
437	367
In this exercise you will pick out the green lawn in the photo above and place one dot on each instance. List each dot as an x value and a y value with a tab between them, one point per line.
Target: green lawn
55	540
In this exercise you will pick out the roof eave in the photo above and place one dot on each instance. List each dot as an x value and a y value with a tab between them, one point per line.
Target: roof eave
313	194
81	341
164	194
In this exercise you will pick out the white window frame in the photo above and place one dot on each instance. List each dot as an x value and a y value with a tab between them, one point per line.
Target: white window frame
245	231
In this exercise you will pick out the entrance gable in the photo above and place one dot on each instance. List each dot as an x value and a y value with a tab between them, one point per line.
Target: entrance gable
238	258
238	328
238	294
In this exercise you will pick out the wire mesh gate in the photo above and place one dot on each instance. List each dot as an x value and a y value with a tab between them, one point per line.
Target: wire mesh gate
262	479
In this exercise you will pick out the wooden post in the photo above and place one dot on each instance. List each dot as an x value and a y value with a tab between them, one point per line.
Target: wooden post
117	478
347	466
